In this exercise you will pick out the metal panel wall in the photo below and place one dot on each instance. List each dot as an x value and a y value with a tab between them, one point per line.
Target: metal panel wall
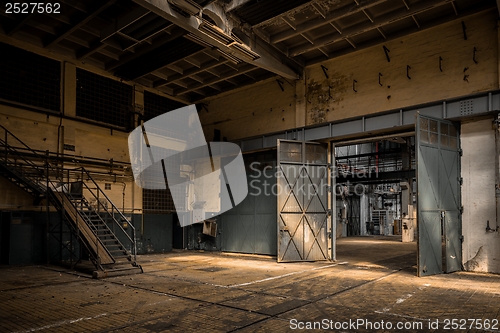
438	200
250	227
156	234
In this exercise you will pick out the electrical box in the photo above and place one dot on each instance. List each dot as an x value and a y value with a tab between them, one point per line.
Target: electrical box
210	227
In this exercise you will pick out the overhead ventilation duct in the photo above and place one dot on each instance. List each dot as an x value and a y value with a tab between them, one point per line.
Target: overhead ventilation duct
188	6
244	51
198	40
216	33
231	41
229	57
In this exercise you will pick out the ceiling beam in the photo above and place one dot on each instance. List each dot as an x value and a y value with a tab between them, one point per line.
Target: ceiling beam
82	19
405	32
236	86
96	47
378	22
235	4
244	69
145	49
123	22
193	71
20	23
268	60
170	52
320	21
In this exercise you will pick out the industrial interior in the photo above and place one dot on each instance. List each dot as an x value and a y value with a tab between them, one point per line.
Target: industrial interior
364	126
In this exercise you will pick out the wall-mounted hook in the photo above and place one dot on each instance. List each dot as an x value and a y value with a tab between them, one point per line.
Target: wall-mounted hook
379	76
464	28
466	76
386	50
354	83
441	64
408	72
325	71
474	55
280	83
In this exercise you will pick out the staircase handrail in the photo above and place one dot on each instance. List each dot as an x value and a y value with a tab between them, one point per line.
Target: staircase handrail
47	178
113	210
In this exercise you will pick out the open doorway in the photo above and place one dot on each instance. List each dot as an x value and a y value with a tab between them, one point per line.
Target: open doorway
375	200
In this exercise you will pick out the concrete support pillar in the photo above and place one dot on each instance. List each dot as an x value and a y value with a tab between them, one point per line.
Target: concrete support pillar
498	53
69	89
138	113
364	213
67	133
138	104
301	101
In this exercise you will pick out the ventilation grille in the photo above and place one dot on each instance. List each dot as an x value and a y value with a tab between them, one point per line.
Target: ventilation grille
466	107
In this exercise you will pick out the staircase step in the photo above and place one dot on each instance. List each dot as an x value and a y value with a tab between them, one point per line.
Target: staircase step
117	271
119	252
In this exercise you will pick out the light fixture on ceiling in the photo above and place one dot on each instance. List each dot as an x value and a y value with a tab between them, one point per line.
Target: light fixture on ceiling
198	40
229	57
216	33
244	51
188	6
231	41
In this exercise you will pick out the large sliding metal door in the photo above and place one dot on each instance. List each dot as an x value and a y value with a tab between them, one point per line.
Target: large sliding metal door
438	201
302	195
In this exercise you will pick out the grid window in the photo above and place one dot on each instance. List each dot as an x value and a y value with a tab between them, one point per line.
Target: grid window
102	99
161	201
155	105
29	78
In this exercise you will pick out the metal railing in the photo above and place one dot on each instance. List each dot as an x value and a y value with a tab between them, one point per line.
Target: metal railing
46	179
110	208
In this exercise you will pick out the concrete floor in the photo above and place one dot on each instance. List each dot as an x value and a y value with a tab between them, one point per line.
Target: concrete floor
374	280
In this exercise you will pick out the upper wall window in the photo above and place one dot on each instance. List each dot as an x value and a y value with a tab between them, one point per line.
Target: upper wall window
155	105
102	99
29	78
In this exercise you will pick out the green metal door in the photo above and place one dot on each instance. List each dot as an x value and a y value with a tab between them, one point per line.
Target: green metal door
438	196
302	195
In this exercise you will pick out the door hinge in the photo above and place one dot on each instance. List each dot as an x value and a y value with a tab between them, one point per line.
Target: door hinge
460	152
461	180
461	209
329	188
329	212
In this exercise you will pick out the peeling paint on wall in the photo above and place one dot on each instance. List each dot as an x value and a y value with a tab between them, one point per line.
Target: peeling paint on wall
475	263
323	97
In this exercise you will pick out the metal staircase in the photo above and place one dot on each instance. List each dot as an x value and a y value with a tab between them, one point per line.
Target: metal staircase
107	236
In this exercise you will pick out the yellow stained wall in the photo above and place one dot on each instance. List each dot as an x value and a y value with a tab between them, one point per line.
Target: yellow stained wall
261	108
40	132
420	51
257	110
